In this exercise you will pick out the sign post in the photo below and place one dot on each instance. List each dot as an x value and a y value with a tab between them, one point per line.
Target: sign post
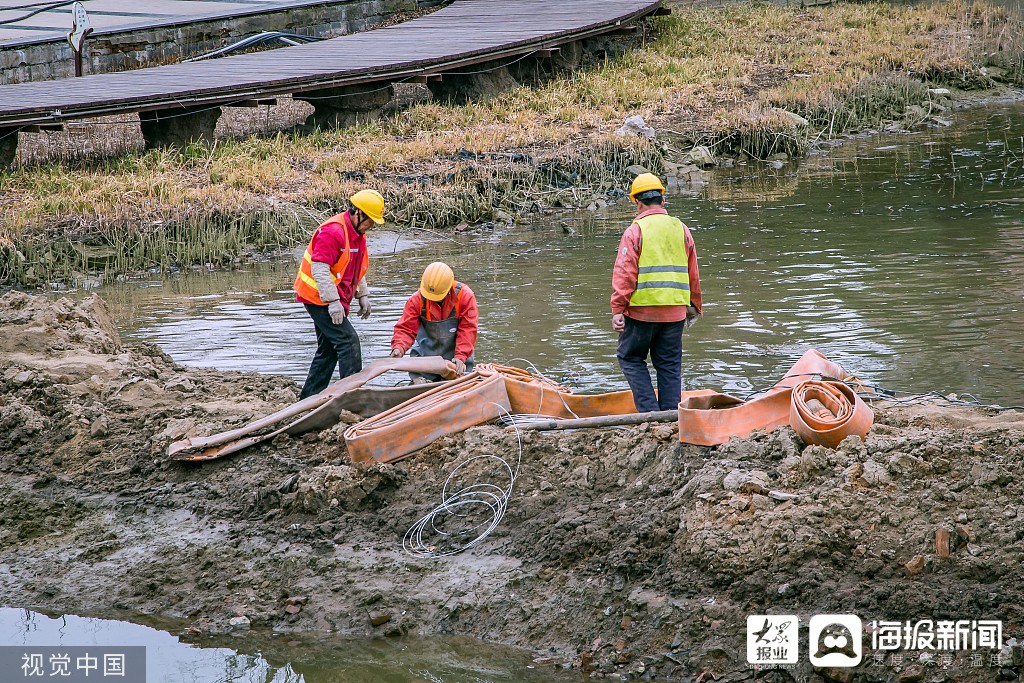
80	29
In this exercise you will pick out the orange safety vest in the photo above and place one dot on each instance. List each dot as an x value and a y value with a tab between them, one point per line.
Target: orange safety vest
305	284
424	310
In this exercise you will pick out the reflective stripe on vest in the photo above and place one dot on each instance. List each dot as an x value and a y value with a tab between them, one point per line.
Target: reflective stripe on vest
424	311
663	277
305	283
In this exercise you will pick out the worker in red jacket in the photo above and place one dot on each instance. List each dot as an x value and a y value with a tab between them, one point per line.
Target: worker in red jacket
332	273
441	319
656	295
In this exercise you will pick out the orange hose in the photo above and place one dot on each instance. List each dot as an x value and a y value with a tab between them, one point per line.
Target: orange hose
708	418
450	408
531	394
844	413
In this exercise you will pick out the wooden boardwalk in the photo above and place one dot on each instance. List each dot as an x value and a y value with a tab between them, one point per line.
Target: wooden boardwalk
451	40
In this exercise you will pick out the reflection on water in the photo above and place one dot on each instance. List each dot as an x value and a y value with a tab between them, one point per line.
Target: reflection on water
280	658
902	258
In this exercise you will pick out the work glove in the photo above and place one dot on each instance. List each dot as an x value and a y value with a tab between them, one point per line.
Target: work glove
364	307
397	353
460	366
692	316
337	312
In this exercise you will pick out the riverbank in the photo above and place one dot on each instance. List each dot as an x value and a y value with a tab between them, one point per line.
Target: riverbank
621	552
744	82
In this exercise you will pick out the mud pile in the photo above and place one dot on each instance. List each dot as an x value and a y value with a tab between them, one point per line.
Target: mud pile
623	552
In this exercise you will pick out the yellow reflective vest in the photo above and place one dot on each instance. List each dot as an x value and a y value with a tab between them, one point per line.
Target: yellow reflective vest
663	278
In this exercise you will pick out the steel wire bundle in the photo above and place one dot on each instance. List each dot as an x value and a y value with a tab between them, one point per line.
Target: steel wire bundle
489	496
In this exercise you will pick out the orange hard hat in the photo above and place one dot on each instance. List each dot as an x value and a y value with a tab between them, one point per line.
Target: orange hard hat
437	281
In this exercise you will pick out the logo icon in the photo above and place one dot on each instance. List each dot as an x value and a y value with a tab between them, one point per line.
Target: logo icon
836	640
772	639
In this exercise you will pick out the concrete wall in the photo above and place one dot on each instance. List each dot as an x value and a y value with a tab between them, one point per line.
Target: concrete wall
133	49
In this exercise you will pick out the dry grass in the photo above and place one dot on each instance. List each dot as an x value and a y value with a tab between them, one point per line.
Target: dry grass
712	75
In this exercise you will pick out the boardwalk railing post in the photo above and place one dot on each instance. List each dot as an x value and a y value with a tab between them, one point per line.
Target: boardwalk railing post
346	105
486	79
8	147
179	127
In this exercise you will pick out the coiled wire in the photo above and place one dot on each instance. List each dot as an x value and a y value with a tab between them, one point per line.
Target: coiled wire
491	497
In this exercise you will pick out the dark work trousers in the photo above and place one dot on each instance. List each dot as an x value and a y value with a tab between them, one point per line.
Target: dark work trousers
664	343
335	345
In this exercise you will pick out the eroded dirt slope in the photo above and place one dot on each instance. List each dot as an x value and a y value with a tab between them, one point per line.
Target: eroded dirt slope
622	552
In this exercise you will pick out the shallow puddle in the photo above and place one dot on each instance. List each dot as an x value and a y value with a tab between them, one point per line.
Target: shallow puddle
175	657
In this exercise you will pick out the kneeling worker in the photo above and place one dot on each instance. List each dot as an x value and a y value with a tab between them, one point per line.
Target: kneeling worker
331	274
439	320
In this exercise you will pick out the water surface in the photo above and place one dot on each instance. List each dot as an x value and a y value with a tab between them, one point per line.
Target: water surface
280	658
900	257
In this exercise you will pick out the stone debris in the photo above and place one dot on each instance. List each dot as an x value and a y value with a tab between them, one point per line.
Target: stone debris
635	126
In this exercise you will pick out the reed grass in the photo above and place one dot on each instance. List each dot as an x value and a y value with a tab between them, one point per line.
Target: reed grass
724	77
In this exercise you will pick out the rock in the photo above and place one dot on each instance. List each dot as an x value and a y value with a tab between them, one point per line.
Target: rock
379	618
974	550
293	609
914	111
396	630
915	565
22	378
995	73
794	119
699	156
547	661
635	126
912	674
837	675
665	432
239	624
298	600
181	384
749	481
939	91
875	474
739	503
902	463
99	426
636	170
942	542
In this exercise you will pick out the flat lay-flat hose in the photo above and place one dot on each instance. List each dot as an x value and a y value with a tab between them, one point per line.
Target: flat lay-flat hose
533	394
452	407
709	418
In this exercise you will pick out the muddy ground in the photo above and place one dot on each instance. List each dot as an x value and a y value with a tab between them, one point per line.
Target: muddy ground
623	553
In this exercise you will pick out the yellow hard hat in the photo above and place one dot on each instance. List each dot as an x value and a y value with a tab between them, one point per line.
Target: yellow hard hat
645	182
371	203
437	281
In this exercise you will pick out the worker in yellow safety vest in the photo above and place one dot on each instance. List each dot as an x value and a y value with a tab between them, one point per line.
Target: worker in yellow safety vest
656	295
332	273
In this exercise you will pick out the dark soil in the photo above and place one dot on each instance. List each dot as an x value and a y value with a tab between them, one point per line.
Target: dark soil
623	552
